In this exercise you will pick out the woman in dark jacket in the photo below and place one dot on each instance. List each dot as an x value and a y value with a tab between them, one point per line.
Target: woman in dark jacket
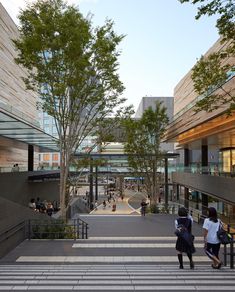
183	245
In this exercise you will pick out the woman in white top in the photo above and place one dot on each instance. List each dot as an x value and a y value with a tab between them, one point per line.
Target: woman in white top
212	243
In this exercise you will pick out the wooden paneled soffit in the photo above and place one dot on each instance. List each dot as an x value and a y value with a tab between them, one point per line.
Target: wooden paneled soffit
215	126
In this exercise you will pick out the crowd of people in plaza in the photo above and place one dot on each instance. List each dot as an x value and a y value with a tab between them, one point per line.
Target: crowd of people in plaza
45	207
110	201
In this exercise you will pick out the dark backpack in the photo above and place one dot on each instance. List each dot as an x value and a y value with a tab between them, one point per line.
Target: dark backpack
223	236
182	232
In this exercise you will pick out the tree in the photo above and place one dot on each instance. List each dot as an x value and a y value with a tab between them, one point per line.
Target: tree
211	73
143	146
73	67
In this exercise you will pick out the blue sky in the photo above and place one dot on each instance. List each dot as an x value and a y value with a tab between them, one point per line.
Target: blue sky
163	40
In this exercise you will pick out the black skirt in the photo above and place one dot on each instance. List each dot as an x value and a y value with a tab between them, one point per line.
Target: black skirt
183	246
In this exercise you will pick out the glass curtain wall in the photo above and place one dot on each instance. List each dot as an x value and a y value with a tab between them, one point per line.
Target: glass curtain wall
227	158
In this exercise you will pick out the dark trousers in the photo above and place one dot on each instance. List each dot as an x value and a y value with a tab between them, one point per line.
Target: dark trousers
212	249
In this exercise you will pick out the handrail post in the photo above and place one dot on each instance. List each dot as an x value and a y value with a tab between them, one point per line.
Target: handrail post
82	230
231	254
225	255
77	228
86	231
74	229
29	230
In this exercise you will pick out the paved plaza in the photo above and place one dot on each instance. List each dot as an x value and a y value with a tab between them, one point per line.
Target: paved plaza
124	252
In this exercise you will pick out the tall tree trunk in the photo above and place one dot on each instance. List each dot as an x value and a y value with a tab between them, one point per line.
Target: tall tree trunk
154	194
64	170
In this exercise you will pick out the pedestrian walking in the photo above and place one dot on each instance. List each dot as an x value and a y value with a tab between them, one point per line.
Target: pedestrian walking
143	207
211	241
114	207
184	242
96	205
104	204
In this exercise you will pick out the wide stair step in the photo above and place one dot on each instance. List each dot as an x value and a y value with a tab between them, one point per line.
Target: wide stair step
113	277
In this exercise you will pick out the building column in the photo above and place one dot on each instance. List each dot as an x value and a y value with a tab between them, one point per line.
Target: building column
197	200
186	157
204	204
30	157
177	192
186	197
204	151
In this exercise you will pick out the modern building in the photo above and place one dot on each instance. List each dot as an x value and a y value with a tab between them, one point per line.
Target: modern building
20	134
207	146
21	138
150	101
51	159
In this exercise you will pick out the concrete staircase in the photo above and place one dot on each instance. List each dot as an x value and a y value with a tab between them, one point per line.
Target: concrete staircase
114	258
113	277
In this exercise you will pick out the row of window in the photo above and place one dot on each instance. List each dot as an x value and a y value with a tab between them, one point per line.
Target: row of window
49	157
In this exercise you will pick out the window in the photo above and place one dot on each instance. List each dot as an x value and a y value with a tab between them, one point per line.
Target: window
47	129
46	157
54	130
55	157
46	122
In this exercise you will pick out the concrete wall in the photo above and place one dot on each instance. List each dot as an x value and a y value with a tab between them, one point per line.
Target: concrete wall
11	215
150	101
218	186
15	195
16	188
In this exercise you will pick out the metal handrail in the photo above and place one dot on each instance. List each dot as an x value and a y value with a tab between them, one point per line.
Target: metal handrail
4	235
54	229
231	249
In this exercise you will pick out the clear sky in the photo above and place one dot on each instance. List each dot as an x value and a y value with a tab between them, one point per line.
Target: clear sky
163	40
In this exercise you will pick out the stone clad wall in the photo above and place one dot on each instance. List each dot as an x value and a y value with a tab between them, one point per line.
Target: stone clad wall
12	152
184	92
13	94
15	100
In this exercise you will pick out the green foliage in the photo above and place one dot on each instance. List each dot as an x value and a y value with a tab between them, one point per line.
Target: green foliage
154	209
209	75
162	209
74	68
144	137
143	143
225	11
52	230
211	72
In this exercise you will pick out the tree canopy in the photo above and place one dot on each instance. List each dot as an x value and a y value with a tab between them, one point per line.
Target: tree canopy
212	72
74	68
143	145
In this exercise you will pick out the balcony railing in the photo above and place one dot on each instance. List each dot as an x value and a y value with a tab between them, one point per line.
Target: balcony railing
211	169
